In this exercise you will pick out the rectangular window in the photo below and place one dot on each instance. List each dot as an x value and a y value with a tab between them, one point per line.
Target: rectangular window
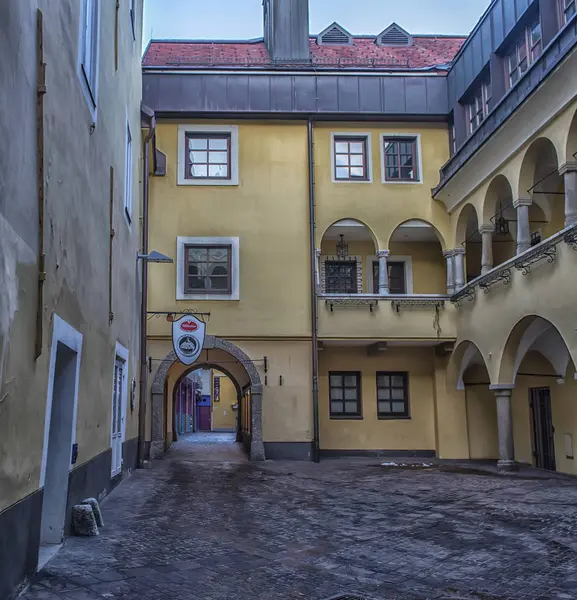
207	269
341	277
89	46
400	159
393	395
207	156
128	175
453	138
535	41
397	281
350	158
568	9
478	107
524	53
345	394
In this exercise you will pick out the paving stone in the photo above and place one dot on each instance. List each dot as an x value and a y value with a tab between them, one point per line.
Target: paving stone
205	524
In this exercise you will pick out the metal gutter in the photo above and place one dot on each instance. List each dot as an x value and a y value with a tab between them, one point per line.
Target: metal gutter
243	70
150	117
40	93
313	282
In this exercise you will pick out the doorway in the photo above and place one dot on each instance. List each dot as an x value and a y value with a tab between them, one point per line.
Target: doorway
543	430
118	411
58	455
204	415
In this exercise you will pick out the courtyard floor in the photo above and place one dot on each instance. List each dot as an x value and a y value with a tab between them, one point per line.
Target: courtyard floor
205	524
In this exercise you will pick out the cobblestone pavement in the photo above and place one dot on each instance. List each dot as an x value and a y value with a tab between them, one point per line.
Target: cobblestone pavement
205	524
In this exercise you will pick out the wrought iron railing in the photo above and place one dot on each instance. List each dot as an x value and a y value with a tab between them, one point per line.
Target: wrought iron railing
545	251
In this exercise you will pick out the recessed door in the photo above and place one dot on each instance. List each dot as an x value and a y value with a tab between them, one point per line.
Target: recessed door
543	430
118	406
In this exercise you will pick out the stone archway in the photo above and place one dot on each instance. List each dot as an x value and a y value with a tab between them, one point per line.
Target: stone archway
159	391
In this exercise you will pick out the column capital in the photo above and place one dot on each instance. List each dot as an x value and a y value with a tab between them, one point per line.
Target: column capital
487	228
502	389
318	252
458	251
567	167
448	253
383	253
522	202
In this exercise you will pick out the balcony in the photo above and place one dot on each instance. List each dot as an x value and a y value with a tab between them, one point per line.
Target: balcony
386	318
549	262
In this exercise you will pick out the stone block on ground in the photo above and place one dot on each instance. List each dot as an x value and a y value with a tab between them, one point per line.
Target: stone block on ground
83	520
96	510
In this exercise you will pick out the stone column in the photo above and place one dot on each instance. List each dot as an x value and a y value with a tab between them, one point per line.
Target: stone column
486	232
448	254
569	172
505	425
157	431
459	260
256	444
382	255
318	269
523	227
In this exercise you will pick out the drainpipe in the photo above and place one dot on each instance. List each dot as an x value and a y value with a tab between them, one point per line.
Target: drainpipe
148	115
40	92
314	322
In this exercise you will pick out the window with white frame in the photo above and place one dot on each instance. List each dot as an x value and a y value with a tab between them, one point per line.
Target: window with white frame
89	47
207	268
478	106
207	155
524	52
351	157
401	158
128	175
568	9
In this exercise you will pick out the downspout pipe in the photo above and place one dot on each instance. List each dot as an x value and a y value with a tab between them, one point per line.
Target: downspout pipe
313	277
150	120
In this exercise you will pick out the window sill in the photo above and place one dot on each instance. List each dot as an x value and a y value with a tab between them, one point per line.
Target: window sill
394	418
352	180
208	182
401	182
344	418
209	297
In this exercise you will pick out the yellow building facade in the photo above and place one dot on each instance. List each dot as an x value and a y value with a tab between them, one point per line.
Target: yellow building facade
360	303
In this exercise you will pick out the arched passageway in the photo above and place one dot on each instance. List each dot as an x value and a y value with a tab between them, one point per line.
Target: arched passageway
237	366
468	238
348	249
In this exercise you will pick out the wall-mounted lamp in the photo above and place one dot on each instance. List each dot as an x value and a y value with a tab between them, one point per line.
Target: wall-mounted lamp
154	257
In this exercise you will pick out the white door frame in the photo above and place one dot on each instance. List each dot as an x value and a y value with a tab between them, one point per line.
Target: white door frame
122	354
65	334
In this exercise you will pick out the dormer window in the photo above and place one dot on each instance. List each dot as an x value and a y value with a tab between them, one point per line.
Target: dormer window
394	35
335	35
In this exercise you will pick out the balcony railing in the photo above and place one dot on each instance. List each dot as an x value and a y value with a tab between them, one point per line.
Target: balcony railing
545	251
389	318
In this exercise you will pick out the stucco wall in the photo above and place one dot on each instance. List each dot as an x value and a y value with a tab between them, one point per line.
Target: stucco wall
268	211
381	206
287	387
223	415
77	233
370	433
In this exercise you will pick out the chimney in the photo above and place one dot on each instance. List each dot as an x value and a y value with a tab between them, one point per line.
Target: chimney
286	30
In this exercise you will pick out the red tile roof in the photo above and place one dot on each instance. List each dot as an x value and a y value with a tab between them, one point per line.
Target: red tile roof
426	52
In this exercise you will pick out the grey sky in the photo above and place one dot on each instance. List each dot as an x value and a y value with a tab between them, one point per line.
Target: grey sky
242	19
